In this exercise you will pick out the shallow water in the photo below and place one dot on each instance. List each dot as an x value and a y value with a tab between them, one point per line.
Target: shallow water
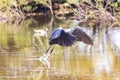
20	52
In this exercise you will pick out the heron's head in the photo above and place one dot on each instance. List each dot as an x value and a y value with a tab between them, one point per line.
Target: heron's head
79	20
76	22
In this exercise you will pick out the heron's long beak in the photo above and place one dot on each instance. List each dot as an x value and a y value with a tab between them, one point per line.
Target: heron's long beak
84	20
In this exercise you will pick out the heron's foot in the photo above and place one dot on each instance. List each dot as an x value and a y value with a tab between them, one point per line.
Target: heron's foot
44	60
44	57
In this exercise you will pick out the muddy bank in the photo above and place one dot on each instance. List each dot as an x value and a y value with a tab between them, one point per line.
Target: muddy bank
59	9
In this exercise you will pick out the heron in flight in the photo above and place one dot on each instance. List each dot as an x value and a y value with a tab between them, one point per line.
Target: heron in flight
67	37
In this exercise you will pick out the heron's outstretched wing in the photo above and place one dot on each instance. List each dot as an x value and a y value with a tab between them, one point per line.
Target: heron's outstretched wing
82	36
64	39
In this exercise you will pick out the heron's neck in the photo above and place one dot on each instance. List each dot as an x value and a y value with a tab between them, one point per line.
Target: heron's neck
75	24
72	29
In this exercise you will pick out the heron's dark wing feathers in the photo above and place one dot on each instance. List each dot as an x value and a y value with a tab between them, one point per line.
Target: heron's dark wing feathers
82	36
67	39
64	39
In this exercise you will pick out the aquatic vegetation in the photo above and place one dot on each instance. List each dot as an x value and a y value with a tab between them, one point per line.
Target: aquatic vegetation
94	13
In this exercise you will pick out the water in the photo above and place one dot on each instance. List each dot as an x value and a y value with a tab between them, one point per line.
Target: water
20	52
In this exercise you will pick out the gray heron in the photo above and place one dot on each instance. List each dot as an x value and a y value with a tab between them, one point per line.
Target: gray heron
67	37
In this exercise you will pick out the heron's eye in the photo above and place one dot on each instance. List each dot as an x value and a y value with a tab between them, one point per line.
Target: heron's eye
78	19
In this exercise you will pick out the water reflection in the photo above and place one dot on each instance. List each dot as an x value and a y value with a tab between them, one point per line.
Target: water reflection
20	58
113	35
103	62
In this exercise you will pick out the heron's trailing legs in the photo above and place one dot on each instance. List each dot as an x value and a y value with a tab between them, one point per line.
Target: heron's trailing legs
48	53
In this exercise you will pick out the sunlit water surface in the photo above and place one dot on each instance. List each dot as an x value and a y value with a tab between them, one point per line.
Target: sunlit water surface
20	52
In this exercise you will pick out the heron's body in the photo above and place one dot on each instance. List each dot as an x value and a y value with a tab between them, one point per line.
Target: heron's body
62	38
67	37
